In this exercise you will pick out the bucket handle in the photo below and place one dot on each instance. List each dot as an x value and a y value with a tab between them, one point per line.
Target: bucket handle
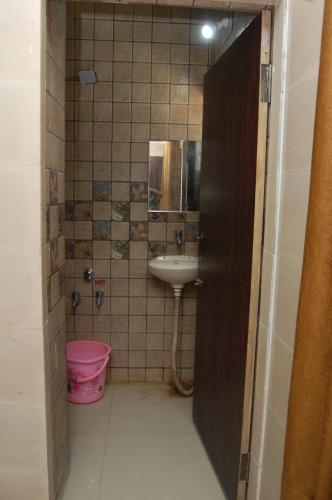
95	374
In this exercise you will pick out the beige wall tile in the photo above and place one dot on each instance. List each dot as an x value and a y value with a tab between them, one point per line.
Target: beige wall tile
123	51
141	72
141	92
111	126
119	287
122	71
21	266
137	342
29	438
119	305
180	54
103	29
161	53
160	93
119	359
154	375
123	31
20	222
142	52
119	374
120	230
101	249
157	231
294	213
178	132
105	70
287	293
154	359
137	358
304	51
142	31
160	72
180	33
120	191
122	92
119	341
14	483
24	97
155	306
28	347
18	49
273	452
136	374
281	369
140	132
102	91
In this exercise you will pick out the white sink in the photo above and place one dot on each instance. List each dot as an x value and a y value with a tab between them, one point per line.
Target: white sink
174	269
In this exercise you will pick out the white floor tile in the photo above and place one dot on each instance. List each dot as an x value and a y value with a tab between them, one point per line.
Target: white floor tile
91	418
150	409
87	454
152	466
138	443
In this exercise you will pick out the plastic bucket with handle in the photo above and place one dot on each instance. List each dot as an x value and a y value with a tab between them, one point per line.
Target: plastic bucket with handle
86	370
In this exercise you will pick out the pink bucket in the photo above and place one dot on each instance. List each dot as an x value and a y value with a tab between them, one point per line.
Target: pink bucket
86	370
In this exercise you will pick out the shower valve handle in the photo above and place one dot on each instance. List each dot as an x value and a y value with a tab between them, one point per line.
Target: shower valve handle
89	274
199	282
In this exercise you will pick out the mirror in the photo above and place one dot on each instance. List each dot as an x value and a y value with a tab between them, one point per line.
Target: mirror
174	170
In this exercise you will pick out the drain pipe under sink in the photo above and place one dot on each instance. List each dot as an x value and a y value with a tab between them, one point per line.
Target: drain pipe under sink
177	383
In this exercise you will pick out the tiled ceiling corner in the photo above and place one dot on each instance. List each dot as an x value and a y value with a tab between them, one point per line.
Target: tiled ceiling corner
242	6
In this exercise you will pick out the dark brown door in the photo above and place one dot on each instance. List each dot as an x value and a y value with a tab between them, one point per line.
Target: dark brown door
233	121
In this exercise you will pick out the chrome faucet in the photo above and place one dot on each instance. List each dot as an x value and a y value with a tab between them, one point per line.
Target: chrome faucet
76	296
178	237
99	298
89	274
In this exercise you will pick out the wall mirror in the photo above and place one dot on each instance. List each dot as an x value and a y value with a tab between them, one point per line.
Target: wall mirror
174	171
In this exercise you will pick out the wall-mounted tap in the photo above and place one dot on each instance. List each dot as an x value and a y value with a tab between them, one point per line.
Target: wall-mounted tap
99	298
178	237
89	274
76	296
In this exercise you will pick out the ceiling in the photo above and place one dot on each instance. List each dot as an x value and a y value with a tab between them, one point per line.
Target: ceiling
234	5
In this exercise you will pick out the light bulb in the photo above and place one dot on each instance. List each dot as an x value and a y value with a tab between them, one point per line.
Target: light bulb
207	31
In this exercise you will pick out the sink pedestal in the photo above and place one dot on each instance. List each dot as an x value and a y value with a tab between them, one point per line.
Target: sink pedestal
176	270
177	295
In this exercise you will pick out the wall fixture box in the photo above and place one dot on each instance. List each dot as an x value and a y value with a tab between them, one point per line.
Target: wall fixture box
174	171
87	76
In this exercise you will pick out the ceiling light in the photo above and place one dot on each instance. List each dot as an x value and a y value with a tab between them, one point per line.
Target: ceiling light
207	31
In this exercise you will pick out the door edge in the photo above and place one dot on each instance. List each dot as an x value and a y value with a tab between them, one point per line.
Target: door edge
257	248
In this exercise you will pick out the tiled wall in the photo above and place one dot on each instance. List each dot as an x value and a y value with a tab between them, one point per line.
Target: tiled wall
150	63
224	5
23	426
55	210
231	25
289	164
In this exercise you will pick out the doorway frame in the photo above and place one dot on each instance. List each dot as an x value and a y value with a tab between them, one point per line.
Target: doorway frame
257	250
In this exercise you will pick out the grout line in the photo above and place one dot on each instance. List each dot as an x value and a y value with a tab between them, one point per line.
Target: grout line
105	440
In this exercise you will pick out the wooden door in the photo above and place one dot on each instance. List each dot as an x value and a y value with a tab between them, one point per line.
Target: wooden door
232	191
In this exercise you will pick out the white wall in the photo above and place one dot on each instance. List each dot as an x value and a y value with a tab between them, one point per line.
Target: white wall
296	49
23	429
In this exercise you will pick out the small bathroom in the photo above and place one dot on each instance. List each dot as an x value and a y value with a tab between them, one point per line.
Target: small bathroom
142	110
158	245
133	106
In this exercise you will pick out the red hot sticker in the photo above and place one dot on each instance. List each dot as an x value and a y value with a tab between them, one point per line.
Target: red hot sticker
100	282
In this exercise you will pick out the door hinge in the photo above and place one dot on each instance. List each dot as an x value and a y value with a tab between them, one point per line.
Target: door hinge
266	82
244	467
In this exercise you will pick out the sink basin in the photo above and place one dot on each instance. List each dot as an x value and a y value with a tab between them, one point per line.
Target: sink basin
174	269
